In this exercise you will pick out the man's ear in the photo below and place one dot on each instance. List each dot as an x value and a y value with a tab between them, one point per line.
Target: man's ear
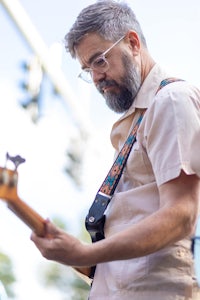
133	40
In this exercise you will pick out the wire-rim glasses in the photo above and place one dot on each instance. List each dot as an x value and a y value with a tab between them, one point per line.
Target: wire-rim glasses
100	64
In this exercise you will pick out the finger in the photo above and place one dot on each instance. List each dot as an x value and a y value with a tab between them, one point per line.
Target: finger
51	231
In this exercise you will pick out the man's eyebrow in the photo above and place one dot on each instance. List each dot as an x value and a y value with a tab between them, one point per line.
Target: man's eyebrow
91	59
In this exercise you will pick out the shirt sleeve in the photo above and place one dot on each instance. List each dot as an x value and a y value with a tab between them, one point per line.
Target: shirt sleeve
195	153
171	123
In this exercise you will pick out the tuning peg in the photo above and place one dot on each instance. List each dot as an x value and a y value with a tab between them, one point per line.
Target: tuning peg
17	160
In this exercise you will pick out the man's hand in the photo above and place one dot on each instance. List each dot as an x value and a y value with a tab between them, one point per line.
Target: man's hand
59	246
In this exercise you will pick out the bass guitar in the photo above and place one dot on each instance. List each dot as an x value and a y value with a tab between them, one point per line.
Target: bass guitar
9	194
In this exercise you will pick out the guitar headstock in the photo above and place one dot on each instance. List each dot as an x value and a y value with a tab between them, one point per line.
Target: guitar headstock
9	178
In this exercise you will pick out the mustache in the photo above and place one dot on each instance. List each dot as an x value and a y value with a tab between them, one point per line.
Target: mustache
105	83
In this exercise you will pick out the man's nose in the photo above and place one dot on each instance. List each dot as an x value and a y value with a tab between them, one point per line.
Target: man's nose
97	76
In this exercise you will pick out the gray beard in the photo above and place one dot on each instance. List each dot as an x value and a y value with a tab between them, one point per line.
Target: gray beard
128	87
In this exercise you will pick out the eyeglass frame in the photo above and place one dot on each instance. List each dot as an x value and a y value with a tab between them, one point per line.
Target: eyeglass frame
89	71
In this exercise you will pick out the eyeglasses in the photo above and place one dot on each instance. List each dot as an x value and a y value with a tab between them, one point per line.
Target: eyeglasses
100	64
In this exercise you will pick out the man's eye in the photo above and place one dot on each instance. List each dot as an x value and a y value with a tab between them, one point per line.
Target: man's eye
99	62
87	71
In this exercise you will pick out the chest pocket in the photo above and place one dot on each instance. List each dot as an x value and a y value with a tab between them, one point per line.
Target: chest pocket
138	169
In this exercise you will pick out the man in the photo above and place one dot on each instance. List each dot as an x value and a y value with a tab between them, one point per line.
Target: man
151	217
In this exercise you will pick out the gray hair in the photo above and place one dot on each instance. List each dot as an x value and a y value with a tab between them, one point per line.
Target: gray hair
110	19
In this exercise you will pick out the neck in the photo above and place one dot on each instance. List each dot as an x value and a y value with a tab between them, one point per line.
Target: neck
147	63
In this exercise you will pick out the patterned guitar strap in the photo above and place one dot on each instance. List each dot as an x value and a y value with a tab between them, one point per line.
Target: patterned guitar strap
96	218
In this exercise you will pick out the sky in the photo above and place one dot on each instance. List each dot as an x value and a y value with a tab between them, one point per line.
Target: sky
172	32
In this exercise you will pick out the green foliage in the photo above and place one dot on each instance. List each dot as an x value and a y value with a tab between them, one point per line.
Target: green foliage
54	275
59	222
80	289
75	157
6	274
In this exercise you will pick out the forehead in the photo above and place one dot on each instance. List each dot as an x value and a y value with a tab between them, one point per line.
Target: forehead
90	46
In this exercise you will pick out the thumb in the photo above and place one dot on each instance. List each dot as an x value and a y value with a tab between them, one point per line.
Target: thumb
49	232
50	229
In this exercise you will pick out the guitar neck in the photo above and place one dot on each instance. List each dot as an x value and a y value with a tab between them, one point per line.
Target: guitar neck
29	216
8	193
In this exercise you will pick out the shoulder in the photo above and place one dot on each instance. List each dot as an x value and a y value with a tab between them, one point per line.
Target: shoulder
177	94
178	89
175	103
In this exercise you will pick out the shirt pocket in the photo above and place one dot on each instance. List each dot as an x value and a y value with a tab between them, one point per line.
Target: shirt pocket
123	274
138	169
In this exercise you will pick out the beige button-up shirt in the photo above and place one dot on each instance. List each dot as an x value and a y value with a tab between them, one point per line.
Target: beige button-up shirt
160	153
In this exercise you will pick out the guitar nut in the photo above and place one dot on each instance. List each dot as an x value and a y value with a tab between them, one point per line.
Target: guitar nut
5	177
13	180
